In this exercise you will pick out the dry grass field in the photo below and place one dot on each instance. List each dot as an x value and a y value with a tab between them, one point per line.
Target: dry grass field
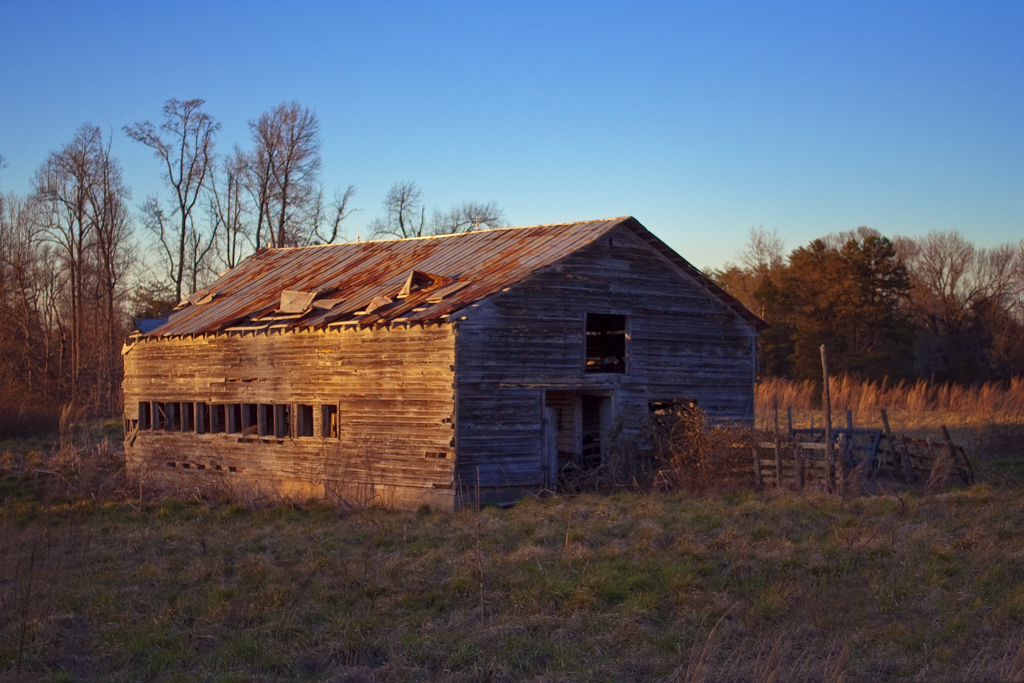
988	419
100	580
911	406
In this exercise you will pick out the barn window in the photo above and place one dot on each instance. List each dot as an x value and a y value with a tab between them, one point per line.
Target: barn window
266	418
234	423
606	343
173	413
672	406
303	420
145	419
159	415
250	418
283	421
188	416
218	419
202	418
329	422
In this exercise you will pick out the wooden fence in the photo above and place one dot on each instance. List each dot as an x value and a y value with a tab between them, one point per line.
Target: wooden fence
806	458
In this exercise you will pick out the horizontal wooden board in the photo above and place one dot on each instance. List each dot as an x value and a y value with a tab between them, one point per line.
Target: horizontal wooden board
392	390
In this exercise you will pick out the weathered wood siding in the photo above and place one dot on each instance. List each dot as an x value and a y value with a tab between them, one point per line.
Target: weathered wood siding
683	343
393	389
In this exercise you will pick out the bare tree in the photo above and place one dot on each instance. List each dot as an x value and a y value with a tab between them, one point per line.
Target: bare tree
65	185
284	177
27	347
760	260
764	251
467	217
82	212
184	144
338	211
229	211
113	260
961	292
404	215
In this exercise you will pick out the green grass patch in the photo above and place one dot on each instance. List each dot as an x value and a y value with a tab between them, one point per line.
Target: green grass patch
624	587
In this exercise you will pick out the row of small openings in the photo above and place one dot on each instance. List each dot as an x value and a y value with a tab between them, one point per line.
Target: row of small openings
200	466
271	420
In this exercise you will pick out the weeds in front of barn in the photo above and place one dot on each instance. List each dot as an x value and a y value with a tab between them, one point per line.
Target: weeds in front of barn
103	580
736	585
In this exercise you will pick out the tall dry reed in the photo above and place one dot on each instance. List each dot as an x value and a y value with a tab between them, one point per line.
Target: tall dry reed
911	405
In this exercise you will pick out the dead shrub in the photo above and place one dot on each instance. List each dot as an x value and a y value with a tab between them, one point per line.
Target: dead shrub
75	467
674	449
698	456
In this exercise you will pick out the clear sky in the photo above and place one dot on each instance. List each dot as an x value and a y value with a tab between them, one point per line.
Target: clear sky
700	119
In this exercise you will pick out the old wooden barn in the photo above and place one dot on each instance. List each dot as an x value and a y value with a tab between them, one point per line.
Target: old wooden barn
427	370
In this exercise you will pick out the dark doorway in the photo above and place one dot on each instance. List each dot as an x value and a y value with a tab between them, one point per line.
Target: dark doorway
590	437
574	425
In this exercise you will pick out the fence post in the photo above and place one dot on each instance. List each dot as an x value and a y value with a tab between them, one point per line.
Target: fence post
827	399
778	451
908	467
757	465
888	440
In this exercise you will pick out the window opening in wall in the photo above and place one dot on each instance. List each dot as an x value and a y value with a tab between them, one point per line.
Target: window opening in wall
202	418
234	423
159	415
669	412
266	417
173	412
218	419
283	421
606	343
145	415
329	421
303	420
188	416
250	418
672	406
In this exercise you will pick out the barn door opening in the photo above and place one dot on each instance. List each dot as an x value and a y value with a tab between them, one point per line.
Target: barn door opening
575	424
590	435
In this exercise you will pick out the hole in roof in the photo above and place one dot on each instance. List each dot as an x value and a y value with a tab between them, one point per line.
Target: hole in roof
377	303
418	280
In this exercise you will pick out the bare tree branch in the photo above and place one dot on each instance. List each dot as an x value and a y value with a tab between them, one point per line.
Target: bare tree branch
188	158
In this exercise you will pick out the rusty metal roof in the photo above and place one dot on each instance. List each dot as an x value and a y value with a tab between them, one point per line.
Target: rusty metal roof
359	283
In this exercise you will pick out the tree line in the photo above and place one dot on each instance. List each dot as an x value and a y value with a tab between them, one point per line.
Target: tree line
936	307
79	262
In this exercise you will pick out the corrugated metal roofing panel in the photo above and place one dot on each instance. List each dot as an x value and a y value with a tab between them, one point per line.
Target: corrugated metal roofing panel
475	264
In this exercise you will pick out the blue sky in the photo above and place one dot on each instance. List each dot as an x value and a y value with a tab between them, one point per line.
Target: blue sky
700	119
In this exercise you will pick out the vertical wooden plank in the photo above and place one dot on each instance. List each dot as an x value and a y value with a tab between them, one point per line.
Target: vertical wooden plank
551	446
908	467
798	462
888	439
966	471
848	441
757	466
